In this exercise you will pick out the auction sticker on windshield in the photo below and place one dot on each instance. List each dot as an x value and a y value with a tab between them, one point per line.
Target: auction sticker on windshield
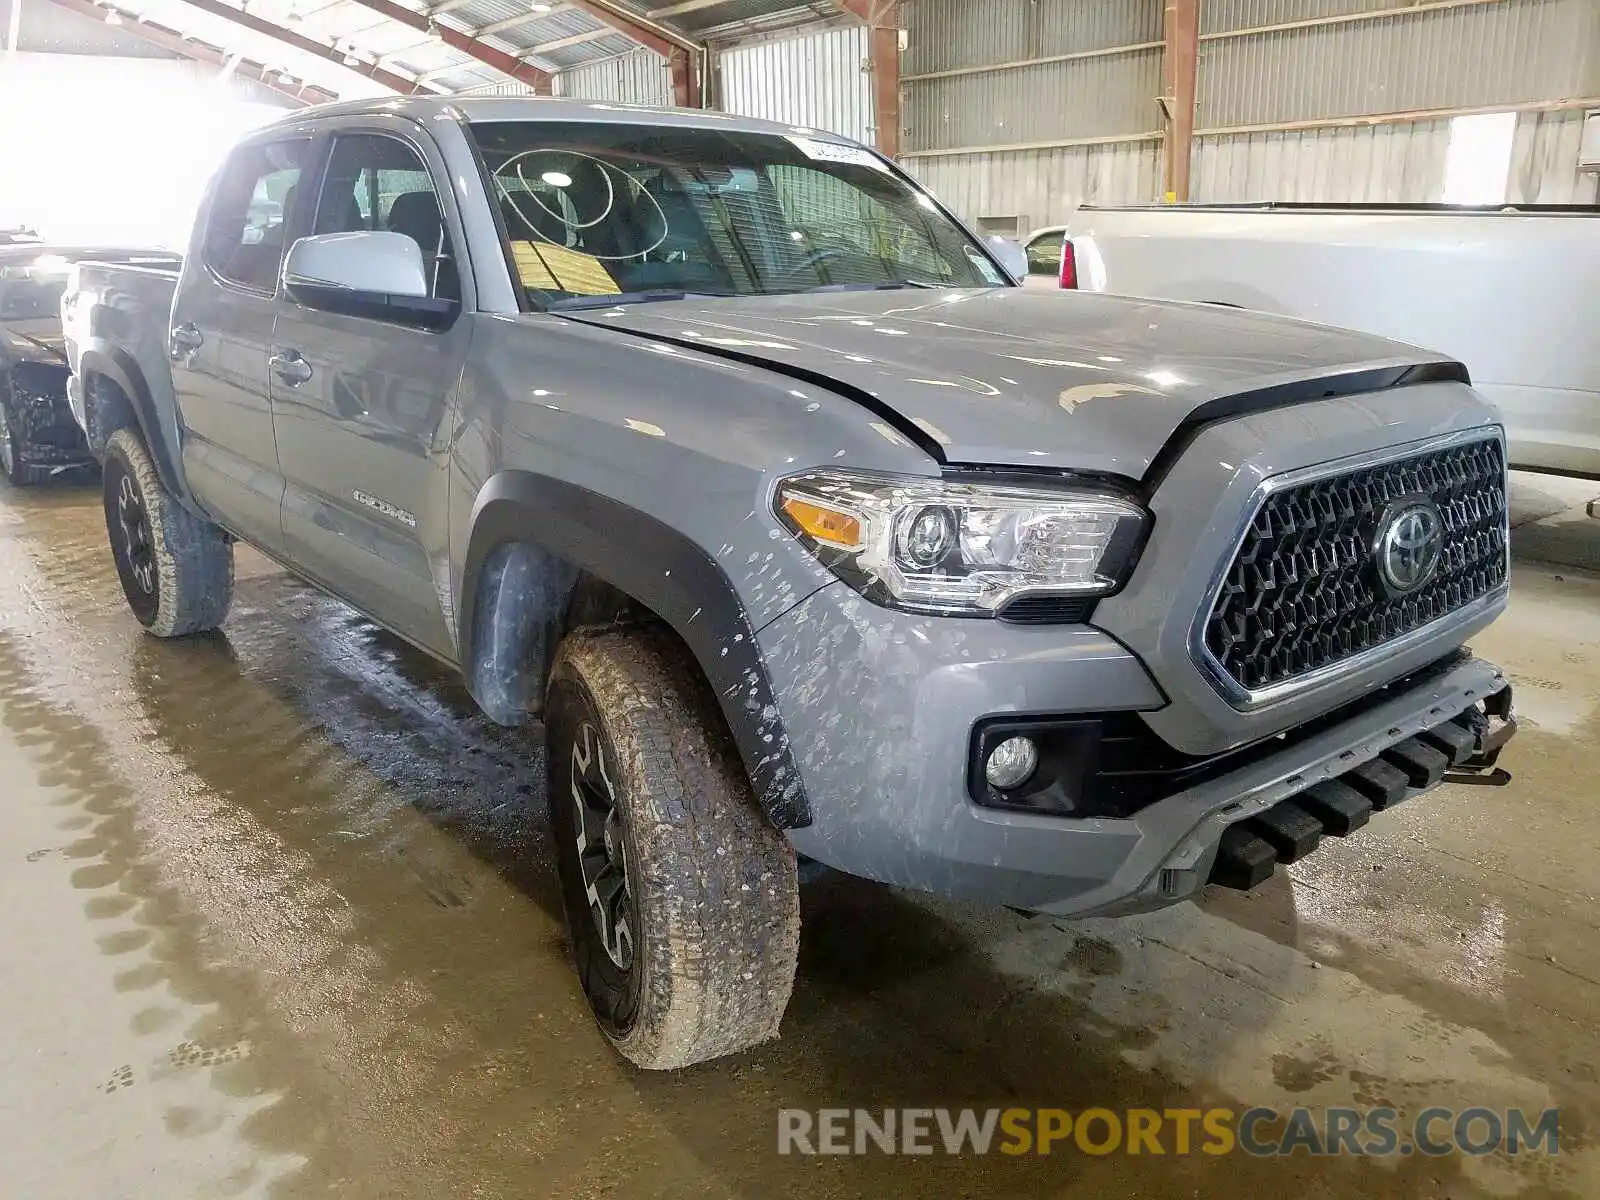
834	152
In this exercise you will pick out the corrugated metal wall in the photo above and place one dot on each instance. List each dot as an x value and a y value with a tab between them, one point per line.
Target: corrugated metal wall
1041	187
1449	56
1479	52
1542	155
1018	126
820	80
638	78
1384	164
998	133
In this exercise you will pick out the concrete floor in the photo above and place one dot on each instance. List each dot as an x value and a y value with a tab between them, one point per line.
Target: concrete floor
279	920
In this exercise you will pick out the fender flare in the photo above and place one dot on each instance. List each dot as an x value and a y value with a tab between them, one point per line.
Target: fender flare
120	367
533	537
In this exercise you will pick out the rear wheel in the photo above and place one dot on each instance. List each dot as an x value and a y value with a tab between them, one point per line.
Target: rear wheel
681	899
176	569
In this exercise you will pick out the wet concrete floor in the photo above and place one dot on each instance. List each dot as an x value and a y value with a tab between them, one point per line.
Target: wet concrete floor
279	920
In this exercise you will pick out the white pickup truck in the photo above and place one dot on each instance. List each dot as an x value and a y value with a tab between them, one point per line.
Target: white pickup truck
1512	292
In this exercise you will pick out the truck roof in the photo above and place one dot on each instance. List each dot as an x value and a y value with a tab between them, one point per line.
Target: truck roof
549	108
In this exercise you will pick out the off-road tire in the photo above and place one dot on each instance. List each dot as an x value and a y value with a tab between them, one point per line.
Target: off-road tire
177	573
712	892
17	472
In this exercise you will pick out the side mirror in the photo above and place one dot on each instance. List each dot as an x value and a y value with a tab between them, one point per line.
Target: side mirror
1011	255
368	273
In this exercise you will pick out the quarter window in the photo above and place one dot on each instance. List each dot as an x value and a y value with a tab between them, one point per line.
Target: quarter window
245	234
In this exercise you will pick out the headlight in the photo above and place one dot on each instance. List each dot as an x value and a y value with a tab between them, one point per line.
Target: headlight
961	549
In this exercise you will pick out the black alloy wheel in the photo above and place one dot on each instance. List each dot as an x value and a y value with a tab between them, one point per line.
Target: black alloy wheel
132	542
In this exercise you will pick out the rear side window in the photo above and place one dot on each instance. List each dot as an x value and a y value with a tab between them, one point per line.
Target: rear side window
245	234
381	183
1044	254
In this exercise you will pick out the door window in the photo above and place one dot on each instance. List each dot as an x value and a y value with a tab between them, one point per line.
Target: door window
1044	254
380	183
245	233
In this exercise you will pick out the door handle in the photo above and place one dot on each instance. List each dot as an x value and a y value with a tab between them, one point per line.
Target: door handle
183	340
291	367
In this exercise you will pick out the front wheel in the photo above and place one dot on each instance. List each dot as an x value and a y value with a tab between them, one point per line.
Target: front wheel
176	568
681	899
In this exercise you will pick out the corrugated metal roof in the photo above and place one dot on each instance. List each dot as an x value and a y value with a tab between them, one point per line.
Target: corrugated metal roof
51	30
595	51
565	39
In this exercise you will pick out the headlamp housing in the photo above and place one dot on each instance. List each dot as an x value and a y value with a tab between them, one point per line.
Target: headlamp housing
959	548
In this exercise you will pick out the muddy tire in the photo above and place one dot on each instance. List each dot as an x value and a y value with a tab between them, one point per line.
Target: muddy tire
681	899
17	472
176	569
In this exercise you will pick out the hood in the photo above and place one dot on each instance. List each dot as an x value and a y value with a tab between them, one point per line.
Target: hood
33	339
1018	377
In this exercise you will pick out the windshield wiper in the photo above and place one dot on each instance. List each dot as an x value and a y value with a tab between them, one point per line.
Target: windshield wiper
890	285
580	302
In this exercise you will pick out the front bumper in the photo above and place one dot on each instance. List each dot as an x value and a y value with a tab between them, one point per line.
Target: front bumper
883	751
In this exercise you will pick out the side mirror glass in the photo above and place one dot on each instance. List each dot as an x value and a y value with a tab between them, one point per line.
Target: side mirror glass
368	273
1011	255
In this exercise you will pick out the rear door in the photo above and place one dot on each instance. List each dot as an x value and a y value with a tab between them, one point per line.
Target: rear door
220	333
363	406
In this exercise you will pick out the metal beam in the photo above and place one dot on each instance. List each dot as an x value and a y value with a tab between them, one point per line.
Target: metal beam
506	64
14	33
1018	64
576	39
882	19
1370	14
532	52
394	82
685	57
1113	139
685	6
1180	66
1406	117
527	18
204	52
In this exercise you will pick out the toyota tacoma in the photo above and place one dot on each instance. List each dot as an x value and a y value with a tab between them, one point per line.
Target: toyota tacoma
720	451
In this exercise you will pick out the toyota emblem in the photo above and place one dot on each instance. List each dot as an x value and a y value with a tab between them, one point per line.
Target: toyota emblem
1409	543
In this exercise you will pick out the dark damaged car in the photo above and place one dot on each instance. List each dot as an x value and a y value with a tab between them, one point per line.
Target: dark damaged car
721	453
38	436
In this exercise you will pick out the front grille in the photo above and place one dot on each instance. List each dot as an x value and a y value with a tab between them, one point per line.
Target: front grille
1303	591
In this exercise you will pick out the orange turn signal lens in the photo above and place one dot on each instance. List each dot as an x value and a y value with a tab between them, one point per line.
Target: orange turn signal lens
825	524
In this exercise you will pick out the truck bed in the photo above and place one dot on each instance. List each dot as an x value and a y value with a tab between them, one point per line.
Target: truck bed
110	311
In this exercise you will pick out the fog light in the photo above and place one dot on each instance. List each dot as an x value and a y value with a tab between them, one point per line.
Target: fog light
1011	763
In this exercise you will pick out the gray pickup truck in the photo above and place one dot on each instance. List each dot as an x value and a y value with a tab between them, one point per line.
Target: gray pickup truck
721	450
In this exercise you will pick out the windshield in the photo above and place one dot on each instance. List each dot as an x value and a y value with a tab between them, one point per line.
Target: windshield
611	210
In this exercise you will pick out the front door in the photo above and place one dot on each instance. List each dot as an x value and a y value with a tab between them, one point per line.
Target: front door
220	332
363	406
